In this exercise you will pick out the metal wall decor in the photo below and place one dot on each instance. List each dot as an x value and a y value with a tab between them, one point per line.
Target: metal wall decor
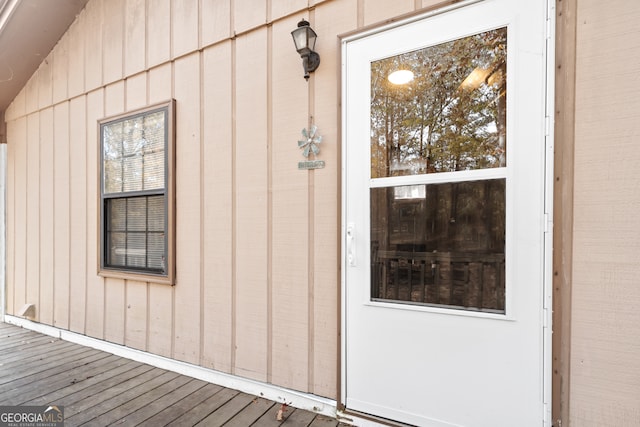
310	146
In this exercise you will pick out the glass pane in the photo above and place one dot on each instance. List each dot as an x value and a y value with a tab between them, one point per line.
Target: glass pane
135	234
137	214
136	250
116	249
153	170
443	245
113	176
112	154
155	251
134	153
117	213
155	220
132	173
441	108
154	150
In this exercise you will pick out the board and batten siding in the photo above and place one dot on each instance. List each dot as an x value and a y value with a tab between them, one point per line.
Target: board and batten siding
604	382
258	253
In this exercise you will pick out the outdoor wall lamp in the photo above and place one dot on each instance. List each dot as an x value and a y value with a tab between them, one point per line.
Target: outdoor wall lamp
305	39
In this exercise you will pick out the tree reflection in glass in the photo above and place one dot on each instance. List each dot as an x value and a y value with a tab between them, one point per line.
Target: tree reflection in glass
442	243
449	117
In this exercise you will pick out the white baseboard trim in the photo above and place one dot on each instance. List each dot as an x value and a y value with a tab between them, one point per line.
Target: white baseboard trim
296	399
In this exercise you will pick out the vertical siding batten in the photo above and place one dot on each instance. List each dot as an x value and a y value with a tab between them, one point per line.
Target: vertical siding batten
290	221
217	190
201	166
270	141
187	290
94	284
32	275
93	45
77	214
234	198
311	243
46	216
251	206
9	298
337	17
21	173
61	214
135	39
563	207
113	41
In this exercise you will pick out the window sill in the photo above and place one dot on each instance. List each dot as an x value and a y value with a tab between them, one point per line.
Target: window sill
138	277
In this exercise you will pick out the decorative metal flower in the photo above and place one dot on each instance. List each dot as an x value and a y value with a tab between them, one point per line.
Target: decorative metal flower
310	141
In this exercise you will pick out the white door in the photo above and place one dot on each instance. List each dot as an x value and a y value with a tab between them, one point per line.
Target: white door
444	218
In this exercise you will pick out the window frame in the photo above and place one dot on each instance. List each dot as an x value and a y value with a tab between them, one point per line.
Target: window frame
168	277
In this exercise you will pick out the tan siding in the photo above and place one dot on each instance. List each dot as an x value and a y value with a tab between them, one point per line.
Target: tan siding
257	282
46	218
160	320
20	211
188	211
12	185
248	14
93	45
286	7
160	85
76	74
17	107
216	21
136	315
45	76
94	284
290	215
33	87
112	40
114	102
114	308
339	17
184	26
60	70
217	207
251	190
380	10
136	92
158	36
78	214
605	368
135	36
33	212
61	215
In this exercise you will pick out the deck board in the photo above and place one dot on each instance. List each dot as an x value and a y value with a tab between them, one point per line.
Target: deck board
97	388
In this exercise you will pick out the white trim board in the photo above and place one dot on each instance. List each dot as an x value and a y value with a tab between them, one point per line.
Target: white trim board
296	399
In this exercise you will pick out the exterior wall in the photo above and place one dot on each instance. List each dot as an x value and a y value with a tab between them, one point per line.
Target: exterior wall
258	240
604	379
257	281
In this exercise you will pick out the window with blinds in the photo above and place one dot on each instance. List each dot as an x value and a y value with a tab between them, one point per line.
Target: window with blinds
136	152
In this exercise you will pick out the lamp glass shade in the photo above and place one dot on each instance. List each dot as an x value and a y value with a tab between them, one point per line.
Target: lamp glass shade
304	38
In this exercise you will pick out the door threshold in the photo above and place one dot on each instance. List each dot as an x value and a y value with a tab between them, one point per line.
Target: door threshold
361	419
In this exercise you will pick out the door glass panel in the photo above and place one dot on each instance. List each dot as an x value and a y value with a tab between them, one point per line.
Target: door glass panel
441	108
441	245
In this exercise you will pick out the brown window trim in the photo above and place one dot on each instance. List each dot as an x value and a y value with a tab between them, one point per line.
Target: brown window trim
170	259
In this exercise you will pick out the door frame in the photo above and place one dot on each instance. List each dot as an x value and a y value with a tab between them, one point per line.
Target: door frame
547	315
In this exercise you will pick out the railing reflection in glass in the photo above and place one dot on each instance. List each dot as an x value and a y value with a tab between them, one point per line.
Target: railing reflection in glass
440	244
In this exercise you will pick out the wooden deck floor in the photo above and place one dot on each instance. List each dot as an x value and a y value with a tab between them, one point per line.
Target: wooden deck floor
99	389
